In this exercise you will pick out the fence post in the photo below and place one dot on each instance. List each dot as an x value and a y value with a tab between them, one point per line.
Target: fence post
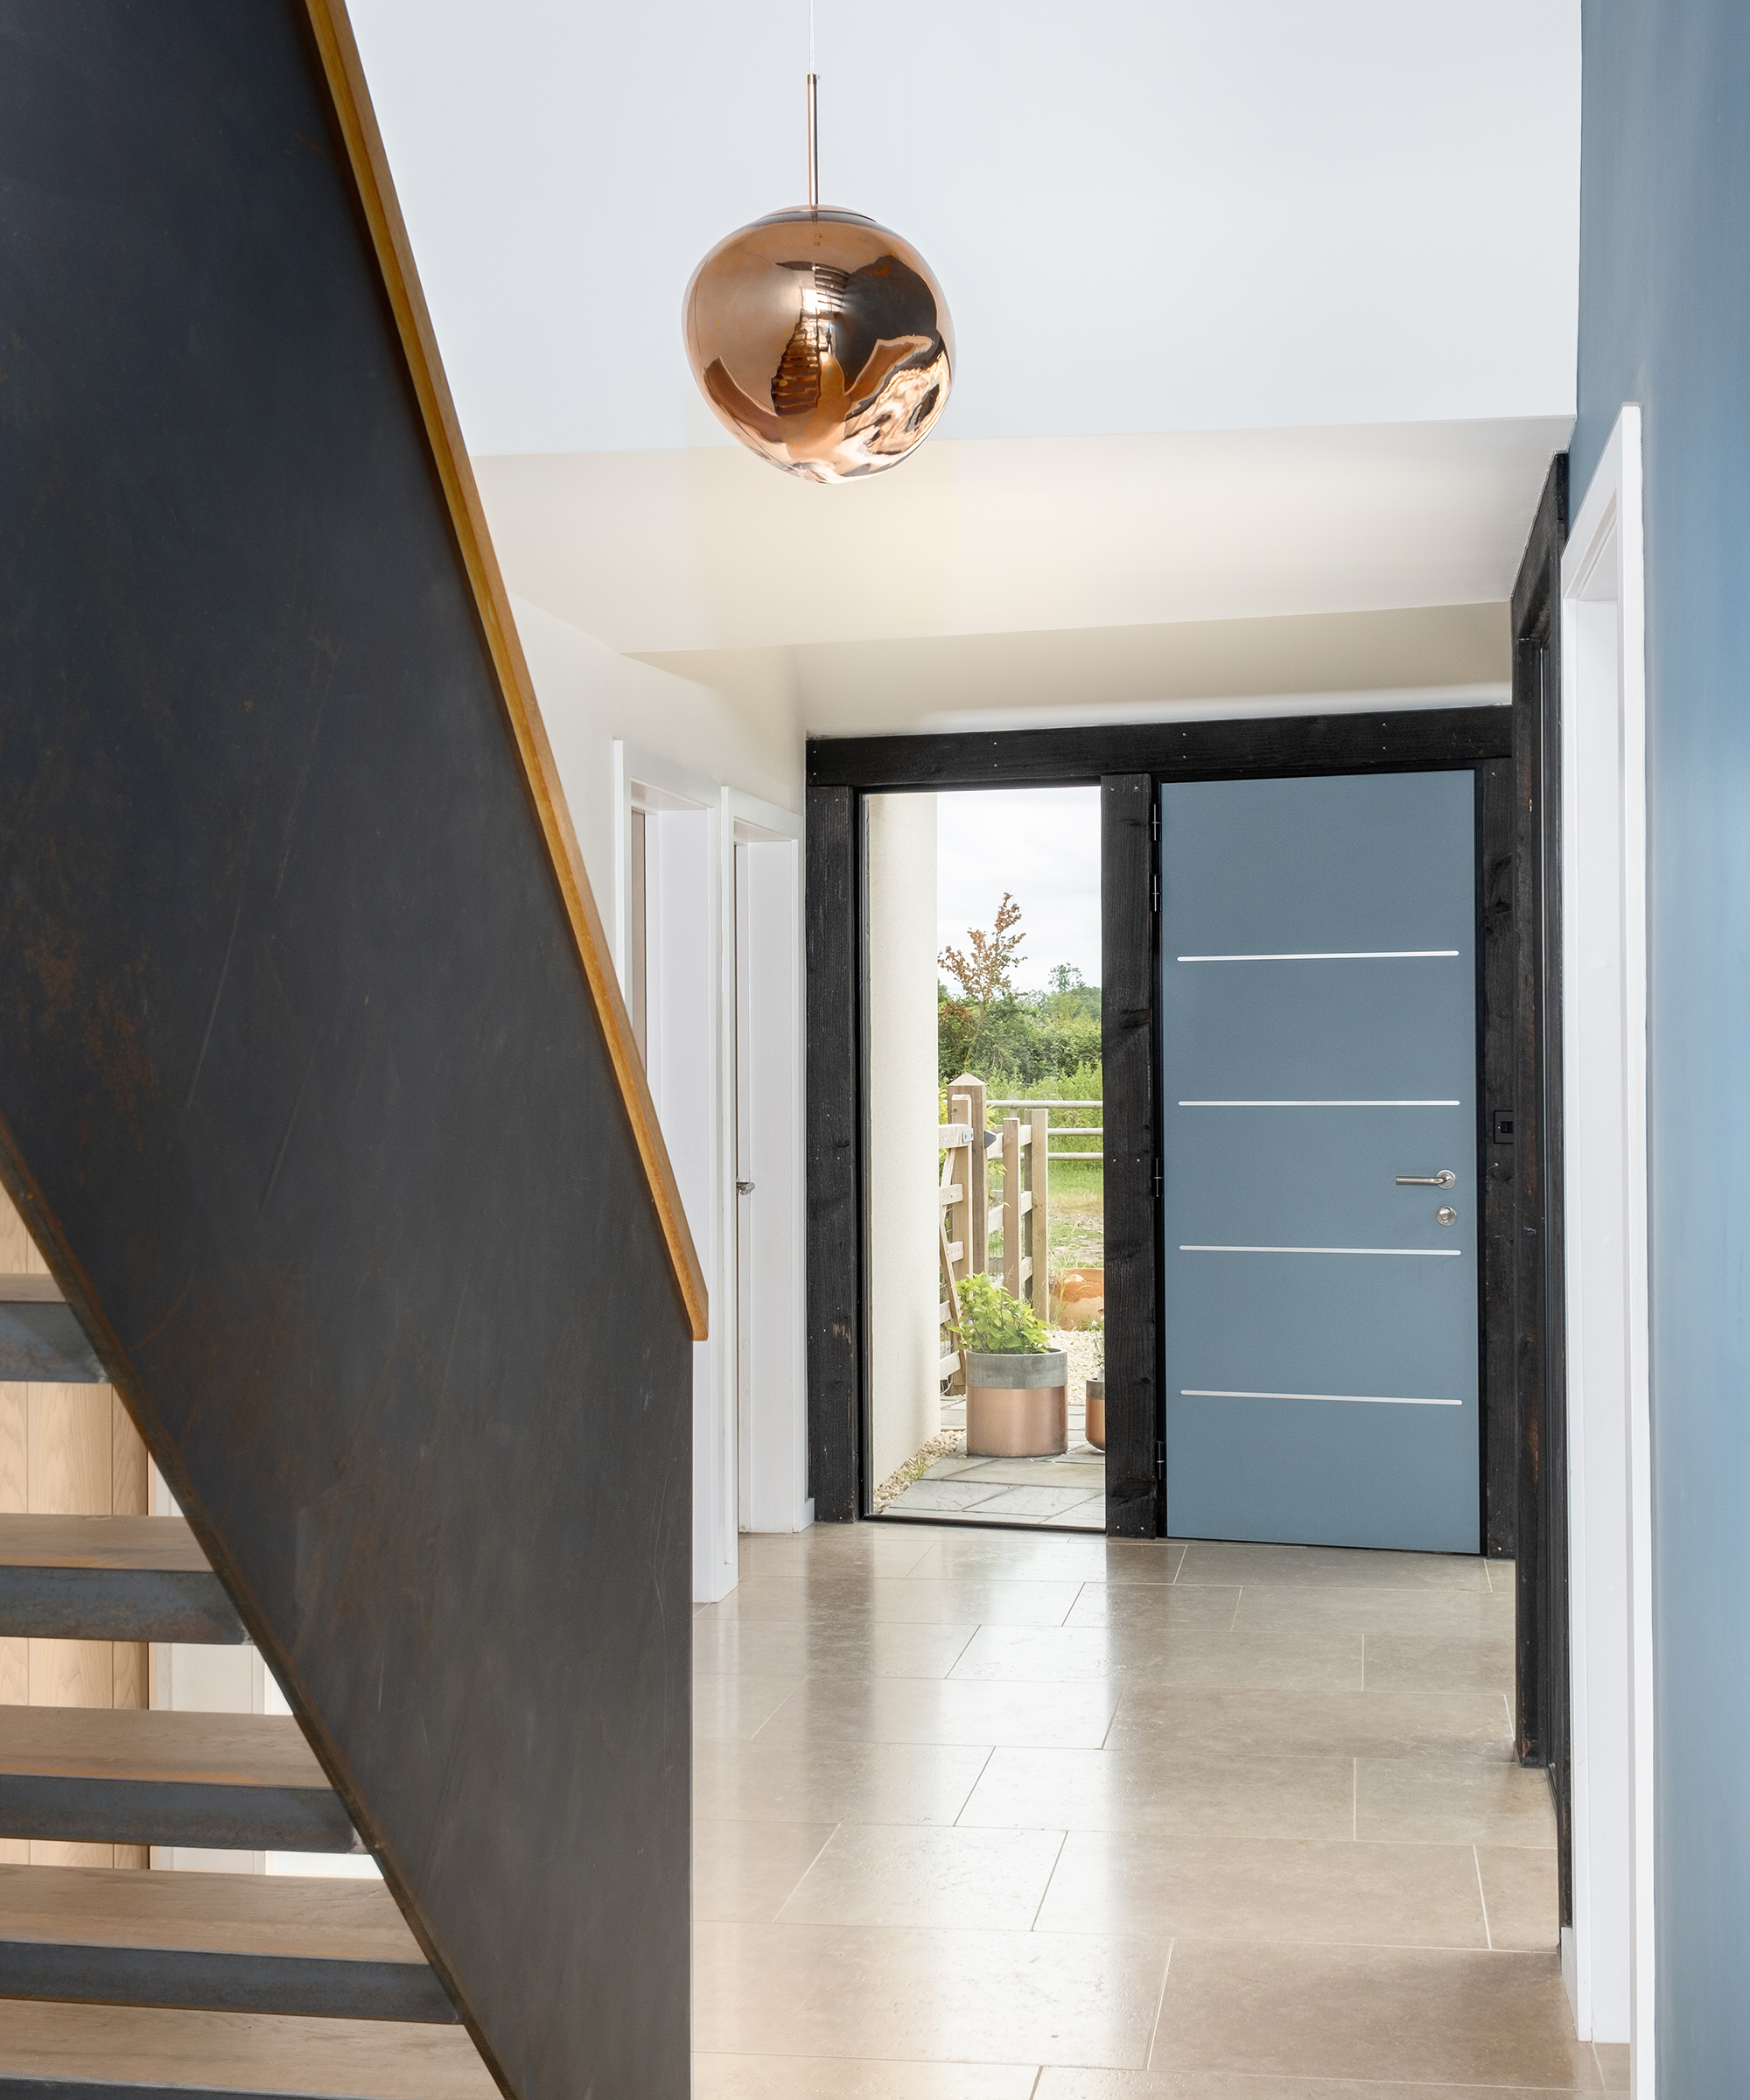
957	1171
977	1234
1013	1190
1038	1238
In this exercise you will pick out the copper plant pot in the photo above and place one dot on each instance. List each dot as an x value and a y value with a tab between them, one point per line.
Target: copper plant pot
1016	1407
1093	1427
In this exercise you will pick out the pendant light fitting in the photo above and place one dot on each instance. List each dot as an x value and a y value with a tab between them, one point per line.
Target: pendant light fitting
837	322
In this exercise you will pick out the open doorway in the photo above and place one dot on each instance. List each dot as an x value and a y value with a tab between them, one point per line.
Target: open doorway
985	1191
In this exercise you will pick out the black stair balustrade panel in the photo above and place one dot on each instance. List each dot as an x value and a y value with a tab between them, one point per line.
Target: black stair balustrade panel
302	1089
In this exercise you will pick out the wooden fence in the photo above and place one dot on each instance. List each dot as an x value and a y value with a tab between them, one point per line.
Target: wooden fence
1016	1154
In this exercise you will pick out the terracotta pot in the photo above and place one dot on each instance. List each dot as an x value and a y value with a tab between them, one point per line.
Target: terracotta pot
1016	1407
1080	1297
1095	1429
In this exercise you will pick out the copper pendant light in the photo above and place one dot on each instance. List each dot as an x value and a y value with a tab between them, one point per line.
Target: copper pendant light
820	338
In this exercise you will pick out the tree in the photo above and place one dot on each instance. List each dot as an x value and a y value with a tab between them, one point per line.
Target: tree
985	975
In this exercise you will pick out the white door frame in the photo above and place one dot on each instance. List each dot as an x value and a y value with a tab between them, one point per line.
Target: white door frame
1608	1955
763	989
693	1008
685	1032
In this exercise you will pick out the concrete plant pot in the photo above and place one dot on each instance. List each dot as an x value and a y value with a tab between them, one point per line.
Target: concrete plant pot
1016	1407
1094	1426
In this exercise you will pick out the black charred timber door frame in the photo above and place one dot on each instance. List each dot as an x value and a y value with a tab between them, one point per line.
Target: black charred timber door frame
1542	1717
1128	763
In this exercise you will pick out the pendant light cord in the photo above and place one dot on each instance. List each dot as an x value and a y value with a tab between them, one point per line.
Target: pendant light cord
814	132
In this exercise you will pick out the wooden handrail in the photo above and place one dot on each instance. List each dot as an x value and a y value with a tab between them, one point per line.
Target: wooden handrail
357	121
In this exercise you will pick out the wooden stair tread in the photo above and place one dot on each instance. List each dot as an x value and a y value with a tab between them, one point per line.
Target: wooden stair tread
19	1290
242	1781
157	1746
292	1945
98	2050
110	1579
296	1916
119	1544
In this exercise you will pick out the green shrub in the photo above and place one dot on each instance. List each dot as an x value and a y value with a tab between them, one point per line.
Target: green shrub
996	1325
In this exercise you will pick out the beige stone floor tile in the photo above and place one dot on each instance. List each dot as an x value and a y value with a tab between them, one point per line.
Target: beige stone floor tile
1219	1661
1520	1888
837	1648
872	1874
1028	1555
924	1994
1440	1663
1363	1608
1439	1801
764	1782
1369	2013
1171	1795
745	1872
834	2078
1146	1607
738	1706
796	1596
919	1709
1333	1567
1061	1655
1341	1724
935	1600
882	1548
1392	1895
1056	2084
1613	2065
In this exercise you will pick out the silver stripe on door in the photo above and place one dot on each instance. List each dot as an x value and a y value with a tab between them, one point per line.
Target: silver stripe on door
1191	1392
1428	1253
1334	955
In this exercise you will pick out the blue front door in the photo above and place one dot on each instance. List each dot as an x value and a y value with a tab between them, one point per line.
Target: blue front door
1319	1065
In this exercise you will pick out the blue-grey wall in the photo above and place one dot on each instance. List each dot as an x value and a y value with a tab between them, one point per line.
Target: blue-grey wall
1665	321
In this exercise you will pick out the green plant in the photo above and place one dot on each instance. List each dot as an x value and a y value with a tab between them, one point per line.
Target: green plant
1096	1328
994	1324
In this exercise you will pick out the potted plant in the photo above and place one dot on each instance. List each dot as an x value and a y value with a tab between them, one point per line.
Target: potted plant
1095	1426
1017	1384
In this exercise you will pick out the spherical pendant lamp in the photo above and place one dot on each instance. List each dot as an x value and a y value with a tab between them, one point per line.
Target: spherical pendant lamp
820	339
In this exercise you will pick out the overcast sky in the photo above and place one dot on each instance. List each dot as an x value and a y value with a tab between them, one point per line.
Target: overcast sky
1043	846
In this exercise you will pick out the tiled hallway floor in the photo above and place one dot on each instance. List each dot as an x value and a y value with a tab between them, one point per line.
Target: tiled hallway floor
1000	1816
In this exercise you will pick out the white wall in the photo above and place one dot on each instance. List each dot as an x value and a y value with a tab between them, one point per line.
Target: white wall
905	1392
591	696
696	758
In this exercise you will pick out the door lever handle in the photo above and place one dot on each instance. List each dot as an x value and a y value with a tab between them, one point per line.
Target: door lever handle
1444	1178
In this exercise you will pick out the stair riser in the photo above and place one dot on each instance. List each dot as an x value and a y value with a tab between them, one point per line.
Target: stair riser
288	1819
45	1345
210	1981
88	1604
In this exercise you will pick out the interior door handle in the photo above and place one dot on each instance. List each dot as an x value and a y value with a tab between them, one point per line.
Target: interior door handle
1444	1178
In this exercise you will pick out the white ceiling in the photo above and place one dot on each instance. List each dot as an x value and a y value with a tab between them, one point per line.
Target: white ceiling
1266	314
1148	214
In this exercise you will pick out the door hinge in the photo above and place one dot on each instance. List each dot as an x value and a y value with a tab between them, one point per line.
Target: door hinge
1154	891
1159	1460
1154	820
1157	1180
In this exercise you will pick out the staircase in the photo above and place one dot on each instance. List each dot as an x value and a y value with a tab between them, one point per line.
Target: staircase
323	1111
219	1983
